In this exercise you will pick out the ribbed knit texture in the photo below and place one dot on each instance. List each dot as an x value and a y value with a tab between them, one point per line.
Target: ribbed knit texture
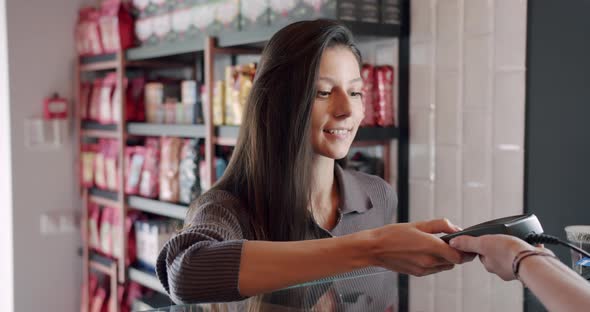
202	262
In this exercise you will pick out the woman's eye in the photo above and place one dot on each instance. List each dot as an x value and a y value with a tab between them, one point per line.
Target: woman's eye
323	94
356	94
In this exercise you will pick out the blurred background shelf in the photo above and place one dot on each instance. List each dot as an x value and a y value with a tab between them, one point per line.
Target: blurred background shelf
108	195
157	207
377	134
256	37
176	130
152	301
98	62
101	263
146	278
97	130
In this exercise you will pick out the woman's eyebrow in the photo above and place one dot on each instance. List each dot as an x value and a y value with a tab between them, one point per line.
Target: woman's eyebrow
330	80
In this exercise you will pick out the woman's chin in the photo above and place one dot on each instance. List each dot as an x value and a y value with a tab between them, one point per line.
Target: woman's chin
334	153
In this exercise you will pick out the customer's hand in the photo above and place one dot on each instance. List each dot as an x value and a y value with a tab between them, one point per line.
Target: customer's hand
412	248
496	252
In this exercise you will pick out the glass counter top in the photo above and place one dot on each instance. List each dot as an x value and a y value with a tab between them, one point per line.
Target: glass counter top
368	290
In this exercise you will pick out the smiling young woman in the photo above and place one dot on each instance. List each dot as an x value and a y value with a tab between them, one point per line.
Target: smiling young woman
286	211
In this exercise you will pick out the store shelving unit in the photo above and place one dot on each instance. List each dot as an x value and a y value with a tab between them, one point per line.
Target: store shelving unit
157	207
204	51
145	278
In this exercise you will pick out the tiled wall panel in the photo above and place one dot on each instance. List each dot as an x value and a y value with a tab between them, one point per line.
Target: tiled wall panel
467	118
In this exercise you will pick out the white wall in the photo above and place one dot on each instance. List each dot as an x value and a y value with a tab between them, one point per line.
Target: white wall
466	135
47	270
6	259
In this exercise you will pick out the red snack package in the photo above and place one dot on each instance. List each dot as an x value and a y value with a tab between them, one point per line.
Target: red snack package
116	102
111	165
131	254
116	26
384	103
88	40
100	179
94	106
134	292
116	233
93	226
85	92
149	182
106	230
135	101
121	294
92	284
106	96
368	75
170	159
134	158
100	301
87	165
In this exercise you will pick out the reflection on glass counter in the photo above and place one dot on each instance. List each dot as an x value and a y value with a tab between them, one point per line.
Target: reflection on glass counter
371	289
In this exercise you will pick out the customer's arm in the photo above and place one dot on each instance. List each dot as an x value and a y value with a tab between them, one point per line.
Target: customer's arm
557	286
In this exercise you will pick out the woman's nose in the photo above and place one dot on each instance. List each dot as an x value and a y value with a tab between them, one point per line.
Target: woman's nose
341	105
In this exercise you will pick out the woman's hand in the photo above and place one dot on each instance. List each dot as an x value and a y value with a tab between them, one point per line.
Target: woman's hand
496	252
412	248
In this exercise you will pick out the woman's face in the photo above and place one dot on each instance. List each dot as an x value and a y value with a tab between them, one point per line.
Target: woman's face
338	107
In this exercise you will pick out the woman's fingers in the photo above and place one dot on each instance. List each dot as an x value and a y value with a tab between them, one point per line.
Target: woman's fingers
438	226
466	243
449	254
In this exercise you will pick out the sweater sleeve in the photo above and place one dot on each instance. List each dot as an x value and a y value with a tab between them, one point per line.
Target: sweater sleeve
202	262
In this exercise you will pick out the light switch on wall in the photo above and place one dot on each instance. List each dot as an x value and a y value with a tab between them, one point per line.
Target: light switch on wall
59	222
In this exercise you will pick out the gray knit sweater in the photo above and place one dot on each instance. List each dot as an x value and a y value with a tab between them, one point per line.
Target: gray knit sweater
202	262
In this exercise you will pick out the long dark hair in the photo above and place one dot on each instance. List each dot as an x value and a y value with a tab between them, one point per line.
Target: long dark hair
270	169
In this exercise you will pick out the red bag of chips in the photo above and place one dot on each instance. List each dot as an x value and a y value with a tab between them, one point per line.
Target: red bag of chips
99	301
134	292
106	230
87	165
116	26
116	102
134	159
94	106
88	40
131	254
170	159
100	179
135	100
368	76
93	226
106	97
384	103
117	234
85	91
149	182
111	165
